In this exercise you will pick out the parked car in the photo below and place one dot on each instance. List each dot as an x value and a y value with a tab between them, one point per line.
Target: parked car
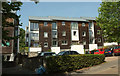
108	52
116	50
99	51
46	54
68	53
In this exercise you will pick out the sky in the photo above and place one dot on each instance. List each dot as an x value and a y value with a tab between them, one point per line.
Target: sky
64	9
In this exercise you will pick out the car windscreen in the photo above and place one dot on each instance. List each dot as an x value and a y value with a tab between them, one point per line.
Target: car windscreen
49	54
61	53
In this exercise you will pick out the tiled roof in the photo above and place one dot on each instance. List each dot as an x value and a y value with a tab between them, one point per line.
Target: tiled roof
51	18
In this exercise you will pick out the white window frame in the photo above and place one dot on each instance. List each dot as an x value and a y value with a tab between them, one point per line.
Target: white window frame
45	34
63	23
63	42
56	43
45	23
45	43
83	24
84	33
99	40
84	42
98	32
63	33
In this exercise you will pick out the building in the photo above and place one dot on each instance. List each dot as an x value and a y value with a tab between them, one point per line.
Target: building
11	48
44	33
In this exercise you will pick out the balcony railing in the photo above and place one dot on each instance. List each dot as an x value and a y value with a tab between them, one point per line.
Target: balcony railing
34	38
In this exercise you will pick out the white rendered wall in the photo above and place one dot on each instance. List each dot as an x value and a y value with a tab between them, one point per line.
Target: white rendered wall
75	37
35	49
55	49
109	44
78	48
92	47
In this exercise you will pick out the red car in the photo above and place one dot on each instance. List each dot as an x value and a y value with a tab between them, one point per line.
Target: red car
99	51
116	50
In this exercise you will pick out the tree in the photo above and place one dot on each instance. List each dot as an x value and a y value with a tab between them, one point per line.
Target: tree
22	40
8	11
109	20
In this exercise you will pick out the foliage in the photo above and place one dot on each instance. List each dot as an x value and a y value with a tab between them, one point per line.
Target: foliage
72	62
49	50
8	11
22	40
109	20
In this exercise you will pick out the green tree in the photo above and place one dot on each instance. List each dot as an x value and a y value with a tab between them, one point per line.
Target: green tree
8	11
22	40
109	20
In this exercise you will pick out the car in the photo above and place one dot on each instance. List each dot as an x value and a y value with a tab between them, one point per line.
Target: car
108	52
68	53
99	51
46	54
116	50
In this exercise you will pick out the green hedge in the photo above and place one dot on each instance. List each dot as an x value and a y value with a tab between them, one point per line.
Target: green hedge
72	62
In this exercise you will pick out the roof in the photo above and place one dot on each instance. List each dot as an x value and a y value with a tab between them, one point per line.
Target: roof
51	18
89	18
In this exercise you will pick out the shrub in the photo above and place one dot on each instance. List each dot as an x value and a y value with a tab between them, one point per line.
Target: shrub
72	62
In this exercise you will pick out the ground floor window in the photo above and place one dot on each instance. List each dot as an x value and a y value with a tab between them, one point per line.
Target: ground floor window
64	42
46	44
54	43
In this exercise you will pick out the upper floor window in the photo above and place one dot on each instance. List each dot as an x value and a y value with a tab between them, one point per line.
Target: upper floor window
98	31
54	25
54	34
83	24
74	25
84	42
63	33
46	44
99	39
34	26
63	23
83	33
45	24
90	25
34	36
64	42
45	34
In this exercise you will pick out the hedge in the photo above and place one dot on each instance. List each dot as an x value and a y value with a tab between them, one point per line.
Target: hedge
72	62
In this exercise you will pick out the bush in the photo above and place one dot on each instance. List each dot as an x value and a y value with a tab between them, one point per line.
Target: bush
72	62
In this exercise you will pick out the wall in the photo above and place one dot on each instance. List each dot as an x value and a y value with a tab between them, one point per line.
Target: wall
109	44
55	49
92	47
78	48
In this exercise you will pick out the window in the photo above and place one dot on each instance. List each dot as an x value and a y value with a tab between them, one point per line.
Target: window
83	24
99	39
74	33
63	33
84	42
7	44
83	33
54	34
35	45
74	25
64	42
34	26
90	25
45	24
91	41
63	23
54	25
34	36
54	43
46	44
98	31
45	34
90	33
